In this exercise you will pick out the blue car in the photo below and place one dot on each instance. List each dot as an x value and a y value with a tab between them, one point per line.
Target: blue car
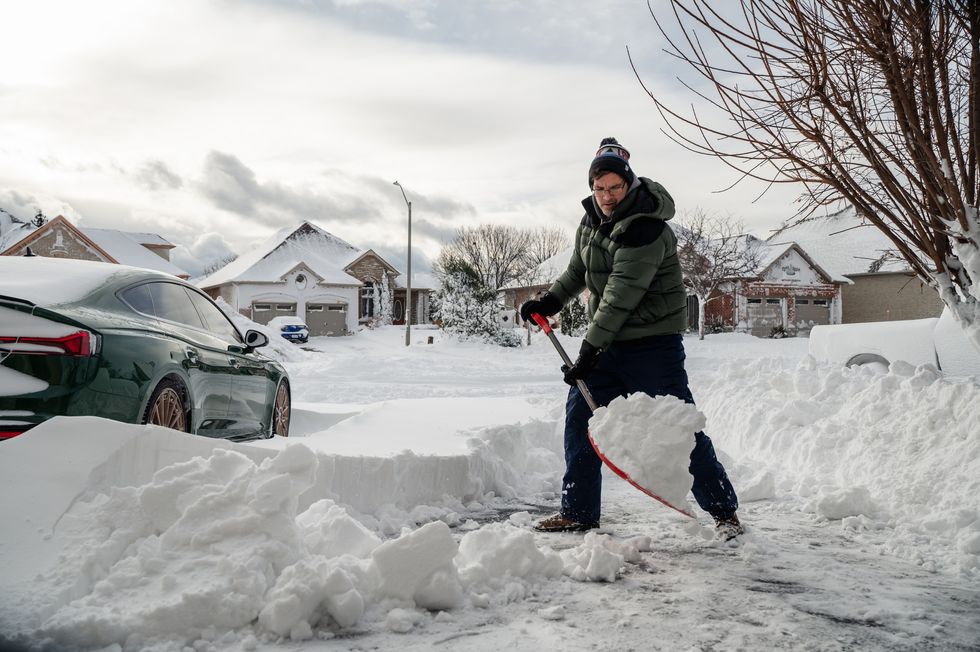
291	328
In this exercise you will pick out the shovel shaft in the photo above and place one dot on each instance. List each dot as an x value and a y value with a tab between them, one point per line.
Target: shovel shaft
546	327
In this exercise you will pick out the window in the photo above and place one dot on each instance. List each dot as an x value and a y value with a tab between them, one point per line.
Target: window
802	302
262	307
216	321
139	299
820	302
755	300
170	302
285	307
337	308
398	309
315	307
300	281
772	302
367	300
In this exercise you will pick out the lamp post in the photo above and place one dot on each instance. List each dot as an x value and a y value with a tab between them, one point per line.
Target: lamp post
408	289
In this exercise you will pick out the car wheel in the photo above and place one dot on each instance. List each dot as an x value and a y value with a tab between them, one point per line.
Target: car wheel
281	410
167	406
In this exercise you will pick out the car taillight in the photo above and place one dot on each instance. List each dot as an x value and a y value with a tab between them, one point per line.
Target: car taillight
79	343
6	432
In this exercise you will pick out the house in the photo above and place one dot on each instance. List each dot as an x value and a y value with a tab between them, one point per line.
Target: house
881	285
307	272
59	238
790	292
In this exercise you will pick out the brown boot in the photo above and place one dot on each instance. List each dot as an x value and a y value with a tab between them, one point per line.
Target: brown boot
559	523
728	527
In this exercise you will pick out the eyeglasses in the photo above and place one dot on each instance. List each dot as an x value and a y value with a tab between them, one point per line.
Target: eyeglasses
611	190
615	150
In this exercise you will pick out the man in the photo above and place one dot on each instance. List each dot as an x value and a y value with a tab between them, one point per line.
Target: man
626	255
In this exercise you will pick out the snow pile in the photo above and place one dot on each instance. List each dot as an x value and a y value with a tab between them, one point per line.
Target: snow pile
221	544
600	557
898	450
650	439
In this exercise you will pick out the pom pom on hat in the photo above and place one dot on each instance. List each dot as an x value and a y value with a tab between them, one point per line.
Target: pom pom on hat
611	157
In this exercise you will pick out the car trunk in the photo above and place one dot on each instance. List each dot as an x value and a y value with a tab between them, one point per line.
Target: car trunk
45	358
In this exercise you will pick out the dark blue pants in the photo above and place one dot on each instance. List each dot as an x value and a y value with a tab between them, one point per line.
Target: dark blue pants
654	366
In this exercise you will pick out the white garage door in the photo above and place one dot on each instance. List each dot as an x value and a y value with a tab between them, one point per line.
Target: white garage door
764	314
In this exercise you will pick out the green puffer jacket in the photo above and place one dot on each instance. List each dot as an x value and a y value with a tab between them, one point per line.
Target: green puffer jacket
629	264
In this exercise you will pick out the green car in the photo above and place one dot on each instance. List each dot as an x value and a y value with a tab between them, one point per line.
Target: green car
134	345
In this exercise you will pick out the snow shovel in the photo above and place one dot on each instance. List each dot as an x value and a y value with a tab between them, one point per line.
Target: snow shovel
587	395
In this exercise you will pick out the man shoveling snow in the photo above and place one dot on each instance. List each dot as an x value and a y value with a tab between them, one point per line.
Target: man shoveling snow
626	256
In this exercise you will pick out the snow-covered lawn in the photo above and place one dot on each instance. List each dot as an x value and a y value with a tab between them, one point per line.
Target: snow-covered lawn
398	514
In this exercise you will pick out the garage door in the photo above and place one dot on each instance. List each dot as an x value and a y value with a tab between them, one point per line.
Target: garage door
764	314
810	313
326	318
264	311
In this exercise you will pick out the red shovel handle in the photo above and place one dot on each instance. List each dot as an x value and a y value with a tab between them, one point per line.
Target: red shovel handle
541	321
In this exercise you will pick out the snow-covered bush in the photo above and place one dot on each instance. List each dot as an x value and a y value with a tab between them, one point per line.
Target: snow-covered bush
466	307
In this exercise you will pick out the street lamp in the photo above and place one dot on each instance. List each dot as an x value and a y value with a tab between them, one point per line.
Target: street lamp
408	290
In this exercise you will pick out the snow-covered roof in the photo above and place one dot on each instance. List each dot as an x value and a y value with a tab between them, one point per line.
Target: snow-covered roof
323	253
12	230
842	244
128	249
769	253
150	239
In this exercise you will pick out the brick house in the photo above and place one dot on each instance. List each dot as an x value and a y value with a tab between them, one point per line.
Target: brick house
881	286
59	238
791	292
305	271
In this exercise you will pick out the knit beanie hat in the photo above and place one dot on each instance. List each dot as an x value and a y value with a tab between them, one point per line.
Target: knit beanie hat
611	157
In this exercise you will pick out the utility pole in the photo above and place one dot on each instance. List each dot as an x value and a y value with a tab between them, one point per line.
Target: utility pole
408	289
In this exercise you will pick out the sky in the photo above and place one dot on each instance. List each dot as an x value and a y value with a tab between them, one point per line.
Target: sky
215	123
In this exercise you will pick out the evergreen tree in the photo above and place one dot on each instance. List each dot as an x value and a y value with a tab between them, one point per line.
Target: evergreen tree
467	307
573	318
383	300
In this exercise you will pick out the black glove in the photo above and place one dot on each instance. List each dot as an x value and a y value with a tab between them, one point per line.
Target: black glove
546	306
588	356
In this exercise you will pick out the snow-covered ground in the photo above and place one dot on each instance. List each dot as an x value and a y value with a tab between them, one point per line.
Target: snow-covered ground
399	512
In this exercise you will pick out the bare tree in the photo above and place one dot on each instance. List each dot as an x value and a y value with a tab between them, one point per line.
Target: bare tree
498	254
543	243
214	266
712	250
868	102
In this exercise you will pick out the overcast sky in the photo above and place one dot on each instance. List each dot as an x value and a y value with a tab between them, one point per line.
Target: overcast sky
215	123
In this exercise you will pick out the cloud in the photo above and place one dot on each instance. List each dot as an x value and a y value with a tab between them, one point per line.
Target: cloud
207	249
24	205
233	186
558	31
156	175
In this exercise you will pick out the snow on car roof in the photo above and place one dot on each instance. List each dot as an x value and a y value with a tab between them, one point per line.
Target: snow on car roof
52	281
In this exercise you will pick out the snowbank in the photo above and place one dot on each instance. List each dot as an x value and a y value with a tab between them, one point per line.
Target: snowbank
896	451
232	541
